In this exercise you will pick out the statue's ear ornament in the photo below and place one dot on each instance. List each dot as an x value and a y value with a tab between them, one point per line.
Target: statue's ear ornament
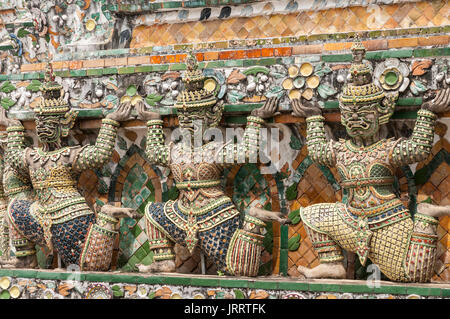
68	121
386	107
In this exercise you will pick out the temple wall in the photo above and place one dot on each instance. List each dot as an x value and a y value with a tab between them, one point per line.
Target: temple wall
104	50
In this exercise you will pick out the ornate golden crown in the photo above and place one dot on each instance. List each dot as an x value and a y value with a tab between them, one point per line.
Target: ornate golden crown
195	95
52	102
369	92
361	94
358	45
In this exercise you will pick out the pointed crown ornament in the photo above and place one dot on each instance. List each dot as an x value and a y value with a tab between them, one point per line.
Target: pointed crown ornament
53	104
367	92
194	96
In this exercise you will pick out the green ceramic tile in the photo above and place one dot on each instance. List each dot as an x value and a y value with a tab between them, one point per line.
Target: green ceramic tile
234	63
407	101
214	64
421	53
422	291
108	71
297	286
356	289
177	67
160	67
404	115
266	285
63	74
7	273
94	72
140	253
100	277
144	68
19	273
208	282
337	58
445	292
77	72
394	290
125	279
151	280
233	283
236	119
183	281
268	61
48	275
325	287
127	70
16	77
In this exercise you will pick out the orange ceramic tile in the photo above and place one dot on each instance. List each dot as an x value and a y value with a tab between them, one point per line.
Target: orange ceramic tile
199	56
282	51
337	46
179	58
403	42
138	60
374	45
211	56
251	54
59	65
75	65
155	59
99	63
27	67
391	24
267	52
434	40
168	58
115	62
227	55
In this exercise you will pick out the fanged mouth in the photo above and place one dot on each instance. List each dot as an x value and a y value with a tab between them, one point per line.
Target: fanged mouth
358	125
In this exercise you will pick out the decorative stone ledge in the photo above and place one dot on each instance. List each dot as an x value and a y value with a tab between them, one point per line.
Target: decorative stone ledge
53	284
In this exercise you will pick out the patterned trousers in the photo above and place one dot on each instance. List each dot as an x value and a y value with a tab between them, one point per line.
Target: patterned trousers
403	248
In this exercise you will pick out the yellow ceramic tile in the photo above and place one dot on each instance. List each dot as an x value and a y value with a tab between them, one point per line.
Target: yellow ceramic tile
407	22
199	27
423	22
391	24
414	14
275	19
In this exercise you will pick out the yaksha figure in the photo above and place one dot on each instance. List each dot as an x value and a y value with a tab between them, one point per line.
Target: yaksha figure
58	217
373	222
203	215
13	184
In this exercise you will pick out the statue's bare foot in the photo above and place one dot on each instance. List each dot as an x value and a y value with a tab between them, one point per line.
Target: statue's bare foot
433	210
119	212
269	216
328	270
158	266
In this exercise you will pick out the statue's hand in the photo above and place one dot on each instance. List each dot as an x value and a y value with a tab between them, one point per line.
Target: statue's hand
146	115
5	121
440	103
268	109
122	113
305	110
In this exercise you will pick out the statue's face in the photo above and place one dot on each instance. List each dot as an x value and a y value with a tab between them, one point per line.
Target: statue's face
360	120
48	128
361	79
194	121
358	56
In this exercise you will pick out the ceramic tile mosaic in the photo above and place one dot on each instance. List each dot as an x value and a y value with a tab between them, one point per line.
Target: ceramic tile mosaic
408	15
